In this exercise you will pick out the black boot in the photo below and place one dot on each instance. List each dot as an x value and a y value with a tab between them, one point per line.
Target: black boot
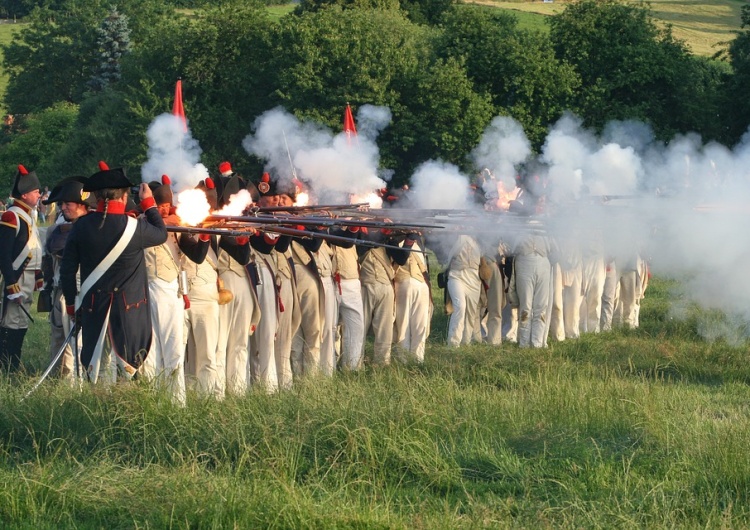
4	349
11	343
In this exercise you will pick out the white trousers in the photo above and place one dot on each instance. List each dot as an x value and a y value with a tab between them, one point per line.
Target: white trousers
262	364
464	290
234	332
202	321
306	341
592	288
378	302
495	304
352	321
571	297
284	335
166	360
533	277
413	314
328	335
557	320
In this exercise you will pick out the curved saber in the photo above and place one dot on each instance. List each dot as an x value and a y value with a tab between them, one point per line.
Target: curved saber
52	364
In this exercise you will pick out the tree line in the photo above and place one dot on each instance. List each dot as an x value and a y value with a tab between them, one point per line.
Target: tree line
88	76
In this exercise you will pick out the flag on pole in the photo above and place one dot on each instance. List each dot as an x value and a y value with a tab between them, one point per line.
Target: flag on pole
349	127
177	108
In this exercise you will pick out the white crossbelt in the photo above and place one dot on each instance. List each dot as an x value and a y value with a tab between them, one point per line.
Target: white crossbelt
108	260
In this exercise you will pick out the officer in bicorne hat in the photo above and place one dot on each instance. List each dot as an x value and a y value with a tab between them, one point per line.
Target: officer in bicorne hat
20	264
73	204
112	302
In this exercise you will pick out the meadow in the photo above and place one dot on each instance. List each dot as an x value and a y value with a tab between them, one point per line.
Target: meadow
644	428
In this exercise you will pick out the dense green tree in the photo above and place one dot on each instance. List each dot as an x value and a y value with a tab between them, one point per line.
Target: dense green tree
630	67
738	117
457	117
43	135
53	58
328	58
224	57
518	68
313	6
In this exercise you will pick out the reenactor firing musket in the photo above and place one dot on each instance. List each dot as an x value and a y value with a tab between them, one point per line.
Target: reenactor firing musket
294	232
318	221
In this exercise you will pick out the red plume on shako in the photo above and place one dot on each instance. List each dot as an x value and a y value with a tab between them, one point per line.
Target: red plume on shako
264	185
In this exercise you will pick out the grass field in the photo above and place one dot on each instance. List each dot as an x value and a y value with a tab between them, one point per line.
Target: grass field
703	24
644	428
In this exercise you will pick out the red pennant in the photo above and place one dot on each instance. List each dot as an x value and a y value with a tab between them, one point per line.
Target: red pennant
349	127
177	108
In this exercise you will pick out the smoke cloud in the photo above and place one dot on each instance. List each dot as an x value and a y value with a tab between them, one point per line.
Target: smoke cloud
174	152
333	166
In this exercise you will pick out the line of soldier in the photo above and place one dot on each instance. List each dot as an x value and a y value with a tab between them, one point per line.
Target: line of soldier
530	287
232	311
226	311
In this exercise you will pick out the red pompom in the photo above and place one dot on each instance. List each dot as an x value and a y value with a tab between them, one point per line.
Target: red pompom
300	227
210	183
266	177
242	240
165	180
204	237
103	165
225	167
22	170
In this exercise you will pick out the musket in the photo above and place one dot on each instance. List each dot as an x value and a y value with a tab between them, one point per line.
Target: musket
309	207
286	232
317	221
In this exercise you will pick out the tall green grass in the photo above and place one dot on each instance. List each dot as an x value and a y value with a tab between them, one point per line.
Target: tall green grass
622	429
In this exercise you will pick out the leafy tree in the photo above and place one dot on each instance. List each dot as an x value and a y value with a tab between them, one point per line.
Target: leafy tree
630	68
53	58
427	11
518	68
738	108
114	41
35	147
224	58
313	6
328	58
457	117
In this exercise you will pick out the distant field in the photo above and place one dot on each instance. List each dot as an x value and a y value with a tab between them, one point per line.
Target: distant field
704	25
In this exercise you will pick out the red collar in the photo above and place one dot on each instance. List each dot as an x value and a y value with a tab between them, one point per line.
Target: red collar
20	204
114	207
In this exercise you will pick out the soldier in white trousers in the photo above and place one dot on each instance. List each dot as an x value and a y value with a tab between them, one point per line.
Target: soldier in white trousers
413	301
464	288
378	298
166	361
306	343
349	301
530	287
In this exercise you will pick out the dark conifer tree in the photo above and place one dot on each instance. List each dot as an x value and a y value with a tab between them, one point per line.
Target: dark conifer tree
113	42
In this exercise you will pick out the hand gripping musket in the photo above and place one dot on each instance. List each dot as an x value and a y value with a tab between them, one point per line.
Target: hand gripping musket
283	231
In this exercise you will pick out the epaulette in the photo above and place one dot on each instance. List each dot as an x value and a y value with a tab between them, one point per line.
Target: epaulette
10	220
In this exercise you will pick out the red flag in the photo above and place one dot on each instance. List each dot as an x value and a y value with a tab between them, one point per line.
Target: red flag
349	127
177	108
